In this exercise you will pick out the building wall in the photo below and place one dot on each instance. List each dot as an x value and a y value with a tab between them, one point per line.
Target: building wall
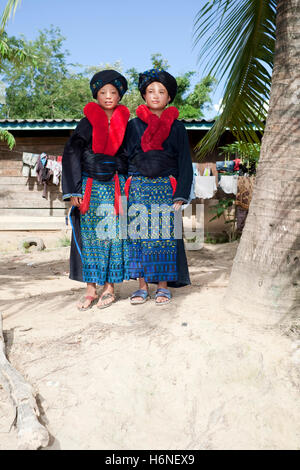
21	197
21	203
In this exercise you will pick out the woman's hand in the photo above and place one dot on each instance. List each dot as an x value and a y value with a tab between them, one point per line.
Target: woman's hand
177	205
76	201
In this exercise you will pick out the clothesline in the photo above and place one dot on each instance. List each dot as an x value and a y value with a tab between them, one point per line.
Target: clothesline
205	186
42	166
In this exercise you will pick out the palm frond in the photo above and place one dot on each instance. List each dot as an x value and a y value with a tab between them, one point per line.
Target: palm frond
239	41
8	138
9	10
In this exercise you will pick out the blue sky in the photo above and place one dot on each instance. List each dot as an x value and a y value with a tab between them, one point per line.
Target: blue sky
108	31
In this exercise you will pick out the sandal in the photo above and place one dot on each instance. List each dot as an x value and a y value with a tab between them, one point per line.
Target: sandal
161	292
139	293
83	299
108	304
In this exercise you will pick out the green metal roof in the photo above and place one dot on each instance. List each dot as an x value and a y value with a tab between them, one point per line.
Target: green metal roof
69	124
194	125
38	124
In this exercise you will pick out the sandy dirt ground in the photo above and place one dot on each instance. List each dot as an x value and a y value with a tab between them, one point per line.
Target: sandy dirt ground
188	375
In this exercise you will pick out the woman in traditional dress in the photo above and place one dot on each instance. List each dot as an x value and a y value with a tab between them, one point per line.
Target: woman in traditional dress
94	166
161	172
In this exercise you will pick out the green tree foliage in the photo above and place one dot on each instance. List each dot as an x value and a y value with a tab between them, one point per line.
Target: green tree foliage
47	87
191	104
132	99
10	53
248	152
158	62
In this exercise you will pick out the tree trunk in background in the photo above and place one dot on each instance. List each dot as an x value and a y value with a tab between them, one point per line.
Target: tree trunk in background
265	278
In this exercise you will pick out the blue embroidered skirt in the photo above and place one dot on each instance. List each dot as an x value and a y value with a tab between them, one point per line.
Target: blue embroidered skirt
104	253
152	256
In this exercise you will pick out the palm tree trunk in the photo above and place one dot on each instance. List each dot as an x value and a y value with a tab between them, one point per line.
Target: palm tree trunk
265	278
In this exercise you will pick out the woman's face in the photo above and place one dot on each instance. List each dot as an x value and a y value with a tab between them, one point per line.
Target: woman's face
108	97
156	96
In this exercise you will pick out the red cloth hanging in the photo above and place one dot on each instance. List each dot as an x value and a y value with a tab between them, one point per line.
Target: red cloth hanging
237	162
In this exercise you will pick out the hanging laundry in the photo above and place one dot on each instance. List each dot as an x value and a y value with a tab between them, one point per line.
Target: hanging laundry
56	168
33	169
195	173
42	166
229	183
26	170
44	173
226	165
237	162
42	160
192	192
207	171
29	164
205	186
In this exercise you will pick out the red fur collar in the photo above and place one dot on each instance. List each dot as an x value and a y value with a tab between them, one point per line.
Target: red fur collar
158	128
107	138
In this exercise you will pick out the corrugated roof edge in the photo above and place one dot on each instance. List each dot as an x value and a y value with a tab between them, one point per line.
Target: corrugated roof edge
39	120
77	120
69	124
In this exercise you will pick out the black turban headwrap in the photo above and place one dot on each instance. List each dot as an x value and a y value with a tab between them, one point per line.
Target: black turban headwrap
108	76
158	75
